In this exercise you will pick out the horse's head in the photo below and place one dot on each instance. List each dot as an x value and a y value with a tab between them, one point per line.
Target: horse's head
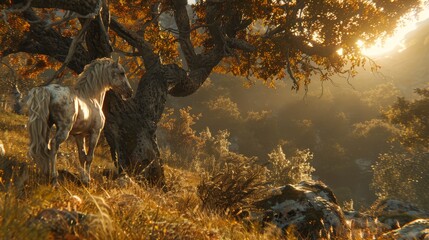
119	81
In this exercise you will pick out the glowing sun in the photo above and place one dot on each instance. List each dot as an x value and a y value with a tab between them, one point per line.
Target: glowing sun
394	43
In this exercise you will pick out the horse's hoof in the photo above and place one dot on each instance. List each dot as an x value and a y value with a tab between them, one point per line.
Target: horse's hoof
54	183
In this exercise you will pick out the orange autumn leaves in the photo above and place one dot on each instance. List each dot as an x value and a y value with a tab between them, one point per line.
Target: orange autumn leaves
293	39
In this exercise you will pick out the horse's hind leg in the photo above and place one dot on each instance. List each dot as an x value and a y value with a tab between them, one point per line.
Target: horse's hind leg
61	135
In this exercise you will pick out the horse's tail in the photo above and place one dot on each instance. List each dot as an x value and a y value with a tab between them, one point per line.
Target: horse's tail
38	126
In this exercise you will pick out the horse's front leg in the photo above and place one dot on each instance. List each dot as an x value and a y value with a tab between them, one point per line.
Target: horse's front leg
93	140
80	142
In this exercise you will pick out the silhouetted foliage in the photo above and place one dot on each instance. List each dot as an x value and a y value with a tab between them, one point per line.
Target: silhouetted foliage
410	118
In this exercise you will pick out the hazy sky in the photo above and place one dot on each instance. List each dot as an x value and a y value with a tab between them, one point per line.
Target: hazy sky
394	42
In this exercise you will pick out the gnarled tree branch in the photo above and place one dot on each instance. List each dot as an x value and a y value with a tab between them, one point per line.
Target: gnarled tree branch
76	41
84	8
137	41
182	21
51	43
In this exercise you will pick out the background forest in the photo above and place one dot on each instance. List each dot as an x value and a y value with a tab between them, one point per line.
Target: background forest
362	134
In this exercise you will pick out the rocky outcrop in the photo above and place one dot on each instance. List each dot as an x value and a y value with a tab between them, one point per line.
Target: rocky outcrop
61	224
395	213
309	209
417	229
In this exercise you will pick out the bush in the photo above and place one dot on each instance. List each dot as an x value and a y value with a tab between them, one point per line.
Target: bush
181	143
290	170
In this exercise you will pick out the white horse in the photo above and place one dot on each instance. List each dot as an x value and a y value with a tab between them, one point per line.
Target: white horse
74	111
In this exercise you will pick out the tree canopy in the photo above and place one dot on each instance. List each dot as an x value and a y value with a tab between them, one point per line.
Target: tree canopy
269	40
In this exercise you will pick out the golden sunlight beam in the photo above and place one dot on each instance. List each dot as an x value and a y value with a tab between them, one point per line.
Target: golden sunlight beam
394	43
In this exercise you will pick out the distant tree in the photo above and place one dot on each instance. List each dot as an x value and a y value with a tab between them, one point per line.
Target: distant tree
403	172
380	96
264	39
225	107
410	117
402	175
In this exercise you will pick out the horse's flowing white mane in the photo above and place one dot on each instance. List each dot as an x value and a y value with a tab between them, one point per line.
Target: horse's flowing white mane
94	78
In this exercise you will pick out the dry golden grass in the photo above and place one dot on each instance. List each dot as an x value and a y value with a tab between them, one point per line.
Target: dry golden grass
114	209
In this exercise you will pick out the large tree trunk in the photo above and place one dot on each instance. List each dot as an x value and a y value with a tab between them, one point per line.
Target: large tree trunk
131	125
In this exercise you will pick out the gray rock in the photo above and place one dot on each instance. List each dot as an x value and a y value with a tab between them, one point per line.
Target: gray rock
310	209
417	229
395	213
